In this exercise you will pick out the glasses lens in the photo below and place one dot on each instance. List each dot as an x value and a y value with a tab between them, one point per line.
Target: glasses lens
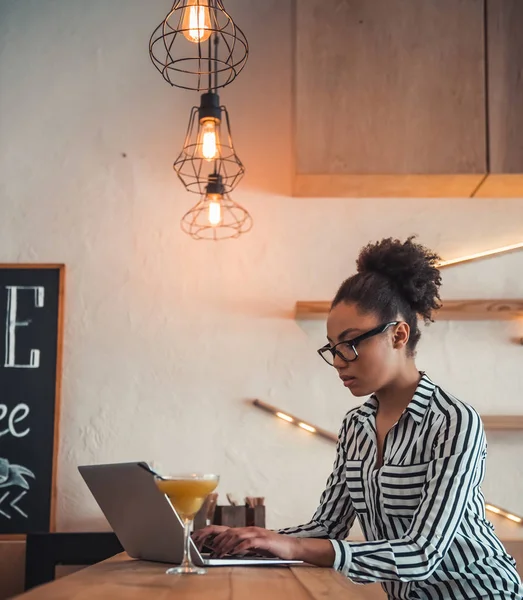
326	354
345	350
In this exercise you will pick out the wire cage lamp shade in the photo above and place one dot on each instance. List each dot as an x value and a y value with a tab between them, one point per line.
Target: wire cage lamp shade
208	148
216	216
181	47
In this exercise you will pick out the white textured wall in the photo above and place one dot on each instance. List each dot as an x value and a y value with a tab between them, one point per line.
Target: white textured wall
165	337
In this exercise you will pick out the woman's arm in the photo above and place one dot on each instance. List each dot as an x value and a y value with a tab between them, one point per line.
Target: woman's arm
333	519
451	476
335	514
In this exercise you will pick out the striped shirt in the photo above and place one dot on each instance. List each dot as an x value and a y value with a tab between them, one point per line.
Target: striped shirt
422	512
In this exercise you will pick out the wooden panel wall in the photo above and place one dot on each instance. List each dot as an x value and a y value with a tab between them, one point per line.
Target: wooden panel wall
505	78
390	87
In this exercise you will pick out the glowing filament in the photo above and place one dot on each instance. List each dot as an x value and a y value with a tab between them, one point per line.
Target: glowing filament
196	22
215	213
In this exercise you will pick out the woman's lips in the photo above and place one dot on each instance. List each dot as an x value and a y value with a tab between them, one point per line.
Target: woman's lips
348	381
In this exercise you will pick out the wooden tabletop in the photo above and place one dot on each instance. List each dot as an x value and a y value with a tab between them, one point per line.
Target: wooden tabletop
123	578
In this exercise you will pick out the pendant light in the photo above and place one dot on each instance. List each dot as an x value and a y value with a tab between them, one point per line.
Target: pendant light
181	46
216	216
208	148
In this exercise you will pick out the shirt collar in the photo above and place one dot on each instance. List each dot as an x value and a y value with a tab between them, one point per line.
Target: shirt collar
416	408
419	404
369	408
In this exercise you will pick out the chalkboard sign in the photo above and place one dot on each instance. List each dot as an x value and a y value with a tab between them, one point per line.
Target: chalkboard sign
31	299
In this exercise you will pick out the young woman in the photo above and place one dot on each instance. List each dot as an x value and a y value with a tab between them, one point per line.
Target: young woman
409	461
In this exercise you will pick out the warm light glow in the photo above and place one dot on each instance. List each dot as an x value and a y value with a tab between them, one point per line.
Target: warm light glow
208	142
285	417
514	518
504	513
215	210
485	254
196	21
307	427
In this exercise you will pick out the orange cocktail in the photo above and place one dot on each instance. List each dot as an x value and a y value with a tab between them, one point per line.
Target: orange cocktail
187	493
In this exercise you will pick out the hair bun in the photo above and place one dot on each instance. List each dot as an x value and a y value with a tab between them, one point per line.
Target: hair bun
410	267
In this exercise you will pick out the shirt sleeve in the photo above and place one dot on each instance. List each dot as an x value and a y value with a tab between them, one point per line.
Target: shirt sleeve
335	514
451	475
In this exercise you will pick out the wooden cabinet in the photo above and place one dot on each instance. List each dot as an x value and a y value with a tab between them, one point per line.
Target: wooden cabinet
504	20
390	96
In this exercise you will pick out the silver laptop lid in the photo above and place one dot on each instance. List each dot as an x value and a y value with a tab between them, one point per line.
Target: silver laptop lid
139	514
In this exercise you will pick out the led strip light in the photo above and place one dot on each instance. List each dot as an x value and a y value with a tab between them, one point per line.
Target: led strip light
504	513
479	255
334	438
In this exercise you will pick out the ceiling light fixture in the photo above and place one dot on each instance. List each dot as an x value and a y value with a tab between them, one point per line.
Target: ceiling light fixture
181	46
216	216
208	148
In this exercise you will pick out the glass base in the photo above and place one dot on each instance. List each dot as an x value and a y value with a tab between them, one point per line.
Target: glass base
186	570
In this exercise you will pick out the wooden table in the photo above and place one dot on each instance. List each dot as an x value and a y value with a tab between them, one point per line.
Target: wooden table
123	578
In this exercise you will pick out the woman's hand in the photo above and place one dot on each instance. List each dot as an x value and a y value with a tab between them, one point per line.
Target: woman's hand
238	540
200	536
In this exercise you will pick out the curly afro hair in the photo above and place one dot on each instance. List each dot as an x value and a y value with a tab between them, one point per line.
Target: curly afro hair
395	279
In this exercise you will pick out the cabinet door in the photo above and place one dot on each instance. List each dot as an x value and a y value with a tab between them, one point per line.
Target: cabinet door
505	98
389	92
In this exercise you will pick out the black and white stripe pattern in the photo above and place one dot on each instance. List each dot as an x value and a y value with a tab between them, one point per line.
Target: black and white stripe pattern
422	512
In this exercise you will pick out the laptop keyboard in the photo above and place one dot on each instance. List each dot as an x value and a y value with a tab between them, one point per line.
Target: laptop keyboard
208	552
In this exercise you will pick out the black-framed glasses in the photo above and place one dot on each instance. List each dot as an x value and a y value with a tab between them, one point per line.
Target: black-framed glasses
347	350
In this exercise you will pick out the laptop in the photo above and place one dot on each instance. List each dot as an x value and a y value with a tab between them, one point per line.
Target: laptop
145	521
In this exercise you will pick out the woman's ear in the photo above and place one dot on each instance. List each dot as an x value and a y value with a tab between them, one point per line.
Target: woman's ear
401	335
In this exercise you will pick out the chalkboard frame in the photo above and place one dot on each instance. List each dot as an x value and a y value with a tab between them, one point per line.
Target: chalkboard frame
58	382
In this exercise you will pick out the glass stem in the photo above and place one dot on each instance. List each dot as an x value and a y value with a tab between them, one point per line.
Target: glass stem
187	562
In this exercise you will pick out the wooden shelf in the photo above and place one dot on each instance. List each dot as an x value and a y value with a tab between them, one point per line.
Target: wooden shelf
503	422
500	186
452	310
340	185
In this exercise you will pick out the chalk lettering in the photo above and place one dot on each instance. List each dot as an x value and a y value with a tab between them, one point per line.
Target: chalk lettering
17	414
12	324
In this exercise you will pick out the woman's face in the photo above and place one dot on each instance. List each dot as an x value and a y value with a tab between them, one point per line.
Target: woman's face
379	357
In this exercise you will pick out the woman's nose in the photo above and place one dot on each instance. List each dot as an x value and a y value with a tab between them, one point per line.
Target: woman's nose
339	363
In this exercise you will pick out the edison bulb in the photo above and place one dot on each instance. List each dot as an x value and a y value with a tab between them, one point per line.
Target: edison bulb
196	21
215	209
208	143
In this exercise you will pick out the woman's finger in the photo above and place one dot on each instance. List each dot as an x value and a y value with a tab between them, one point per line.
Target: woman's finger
255	543
224	541
232	542
224	537
201	535
226	545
